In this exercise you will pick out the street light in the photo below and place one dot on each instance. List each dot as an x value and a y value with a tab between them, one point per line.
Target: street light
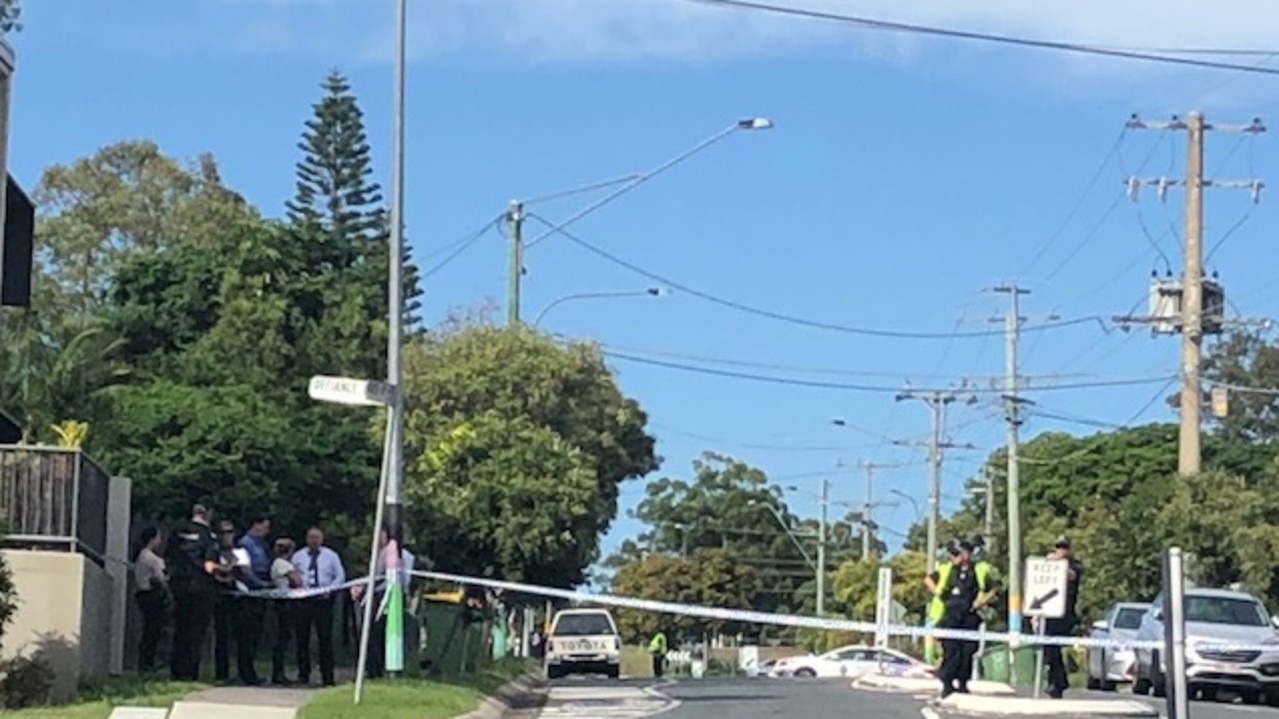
515	214
649	292
914	504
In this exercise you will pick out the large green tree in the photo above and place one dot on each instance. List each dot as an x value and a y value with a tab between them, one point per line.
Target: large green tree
1249	363
515	450
220	339
704	578
336	195
128	198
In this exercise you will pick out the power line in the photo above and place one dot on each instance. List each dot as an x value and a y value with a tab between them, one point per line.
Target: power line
897	374
817	384
459	246
793	319
1116	52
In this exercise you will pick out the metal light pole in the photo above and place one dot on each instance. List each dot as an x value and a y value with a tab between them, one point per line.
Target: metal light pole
821	550
390	500
649	292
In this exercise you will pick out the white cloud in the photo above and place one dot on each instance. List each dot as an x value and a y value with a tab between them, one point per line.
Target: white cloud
679	31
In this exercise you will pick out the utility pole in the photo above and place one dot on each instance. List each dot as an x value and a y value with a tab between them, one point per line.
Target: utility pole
937	400
866	511
515	255
821	549
1012	415
988	527
1190	293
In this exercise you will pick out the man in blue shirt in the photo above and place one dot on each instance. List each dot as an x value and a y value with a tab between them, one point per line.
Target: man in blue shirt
320	569
249	612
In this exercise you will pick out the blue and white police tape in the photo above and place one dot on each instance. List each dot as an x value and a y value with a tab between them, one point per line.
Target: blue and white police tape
305	592
746	616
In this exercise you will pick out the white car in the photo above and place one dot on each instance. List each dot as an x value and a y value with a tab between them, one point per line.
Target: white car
1215	616
583	641
851	662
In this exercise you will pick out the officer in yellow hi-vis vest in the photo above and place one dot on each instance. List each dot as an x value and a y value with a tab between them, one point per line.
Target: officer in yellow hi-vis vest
961	588
657	648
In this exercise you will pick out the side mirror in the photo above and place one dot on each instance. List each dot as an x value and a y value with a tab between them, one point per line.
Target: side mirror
1158	614
1100	626
1275	621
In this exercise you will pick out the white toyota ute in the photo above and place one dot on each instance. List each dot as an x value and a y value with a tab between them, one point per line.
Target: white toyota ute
583	641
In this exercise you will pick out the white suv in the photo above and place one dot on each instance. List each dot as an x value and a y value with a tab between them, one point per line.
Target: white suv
583	641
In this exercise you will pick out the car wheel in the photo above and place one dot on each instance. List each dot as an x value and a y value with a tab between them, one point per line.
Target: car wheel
805	673
1250	696
1272	696
1141	682
554	672
1208	694
614	672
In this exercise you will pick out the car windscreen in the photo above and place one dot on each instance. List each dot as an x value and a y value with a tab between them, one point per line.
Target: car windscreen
582	625
1129	618
1226	610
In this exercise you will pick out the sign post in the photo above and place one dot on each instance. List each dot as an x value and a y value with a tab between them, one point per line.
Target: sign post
1047	581
883	606
1175	634
371	393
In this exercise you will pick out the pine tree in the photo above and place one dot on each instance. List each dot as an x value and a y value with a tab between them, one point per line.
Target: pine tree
337	201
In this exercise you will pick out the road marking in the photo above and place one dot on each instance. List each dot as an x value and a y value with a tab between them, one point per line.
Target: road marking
607	702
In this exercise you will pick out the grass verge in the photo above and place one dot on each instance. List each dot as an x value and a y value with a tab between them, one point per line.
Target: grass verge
98	699
414	698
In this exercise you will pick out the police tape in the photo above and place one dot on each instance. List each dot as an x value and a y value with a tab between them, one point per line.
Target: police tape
746	616
302	593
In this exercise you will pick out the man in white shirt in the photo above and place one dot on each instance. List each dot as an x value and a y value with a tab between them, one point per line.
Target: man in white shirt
320	568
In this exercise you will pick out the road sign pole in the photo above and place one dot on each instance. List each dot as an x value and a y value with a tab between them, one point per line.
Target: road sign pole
1039	658
1047	583
1175	634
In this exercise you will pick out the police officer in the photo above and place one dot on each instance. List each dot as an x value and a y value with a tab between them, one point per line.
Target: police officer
193	562
961	594
1058	681
657	648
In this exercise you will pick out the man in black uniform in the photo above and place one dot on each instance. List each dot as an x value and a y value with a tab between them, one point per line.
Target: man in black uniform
1058	681
192	562
962	595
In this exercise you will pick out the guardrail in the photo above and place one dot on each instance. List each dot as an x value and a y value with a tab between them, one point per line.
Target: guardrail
51	497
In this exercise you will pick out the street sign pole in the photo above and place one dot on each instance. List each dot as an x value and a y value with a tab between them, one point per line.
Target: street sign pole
883	606
1175	634
353	392
1047	582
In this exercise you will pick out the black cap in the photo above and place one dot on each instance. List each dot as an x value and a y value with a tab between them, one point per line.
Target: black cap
965	545
1063	542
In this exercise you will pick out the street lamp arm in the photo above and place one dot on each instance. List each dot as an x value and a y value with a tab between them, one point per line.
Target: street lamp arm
781	521
650	292
750	124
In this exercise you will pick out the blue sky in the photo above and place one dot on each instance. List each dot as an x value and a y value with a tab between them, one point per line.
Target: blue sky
904	178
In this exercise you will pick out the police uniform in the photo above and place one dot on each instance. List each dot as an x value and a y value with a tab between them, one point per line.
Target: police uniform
195	594
1054	663
958	587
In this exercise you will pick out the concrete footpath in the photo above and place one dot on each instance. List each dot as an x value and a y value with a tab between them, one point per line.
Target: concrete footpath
966	705
924	685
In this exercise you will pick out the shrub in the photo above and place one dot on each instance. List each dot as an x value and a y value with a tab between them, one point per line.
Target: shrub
25	682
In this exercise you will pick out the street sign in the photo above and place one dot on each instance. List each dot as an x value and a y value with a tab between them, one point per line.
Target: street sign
1046	581
883	606
349	391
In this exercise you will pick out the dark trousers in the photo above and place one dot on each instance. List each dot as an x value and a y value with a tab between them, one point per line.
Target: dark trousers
659	665
1054	663
317	613
957	660
237	620
284	629
151	604
192	612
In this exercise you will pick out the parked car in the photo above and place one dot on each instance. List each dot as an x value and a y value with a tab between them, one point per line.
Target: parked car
1108	666
852	661
583	641
1215	616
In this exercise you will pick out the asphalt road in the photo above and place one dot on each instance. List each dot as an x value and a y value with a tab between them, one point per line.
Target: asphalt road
743	698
